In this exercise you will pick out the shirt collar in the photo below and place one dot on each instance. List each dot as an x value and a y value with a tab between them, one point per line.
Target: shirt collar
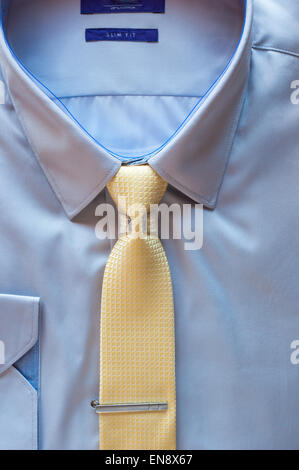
194	161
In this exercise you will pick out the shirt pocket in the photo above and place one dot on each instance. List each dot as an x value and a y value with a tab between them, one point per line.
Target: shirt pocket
19	364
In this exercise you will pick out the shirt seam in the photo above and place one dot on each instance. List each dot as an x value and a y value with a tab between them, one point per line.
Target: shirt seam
275	49
23	349
49	176
107	176
193	194
118	95
22	380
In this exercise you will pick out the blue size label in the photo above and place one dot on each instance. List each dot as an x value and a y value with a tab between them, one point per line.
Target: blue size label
122	6
122	34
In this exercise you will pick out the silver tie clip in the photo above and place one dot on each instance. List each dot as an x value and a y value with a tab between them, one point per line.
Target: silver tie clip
128	407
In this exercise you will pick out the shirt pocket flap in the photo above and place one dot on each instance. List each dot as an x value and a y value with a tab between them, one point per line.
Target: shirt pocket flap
18	327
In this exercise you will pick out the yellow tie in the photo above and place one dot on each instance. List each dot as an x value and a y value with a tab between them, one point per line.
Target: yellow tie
137	357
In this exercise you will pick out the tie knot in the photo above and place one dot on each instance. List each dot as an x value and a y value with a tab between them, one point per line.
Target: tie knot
135	185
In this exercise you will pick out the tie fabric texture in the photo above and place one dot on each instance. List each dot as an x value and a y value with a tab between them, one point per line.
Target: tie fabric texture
137	356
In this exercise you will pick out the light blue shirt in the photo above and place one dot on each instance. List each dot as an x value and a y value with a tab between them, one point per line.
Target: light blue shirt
212	108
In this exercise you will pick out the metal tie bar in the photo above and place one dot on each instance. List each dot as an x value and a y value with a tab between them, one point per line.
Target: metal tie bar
128	407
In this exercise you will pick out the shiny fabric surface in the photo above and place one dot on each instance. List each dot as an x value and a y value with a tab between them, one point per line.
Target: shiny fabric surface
235	300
